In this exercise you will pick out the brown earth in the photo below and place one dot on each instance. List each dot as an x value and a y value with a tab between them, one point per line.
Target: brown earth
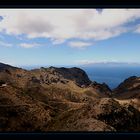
64	99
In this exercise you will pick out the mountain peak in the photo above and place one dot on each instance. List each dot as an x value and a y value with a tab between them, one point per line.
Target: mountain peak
128	88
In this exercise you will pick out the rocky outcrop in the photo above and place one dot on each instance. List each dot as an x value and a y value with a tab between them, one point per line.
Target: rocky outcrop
63	75
128	89
75	74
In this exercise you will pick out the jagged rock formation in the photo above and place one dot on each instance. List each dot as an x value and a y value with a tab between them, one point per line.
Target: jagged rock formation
128	92
64	99
63	75
130	88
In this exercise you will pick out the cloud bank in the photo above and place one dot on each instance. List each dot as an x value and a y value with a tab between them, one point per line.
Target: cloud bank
60	25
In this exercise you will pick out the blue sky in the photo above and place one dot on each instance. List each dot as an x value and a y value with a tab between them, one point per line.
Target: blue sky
69	36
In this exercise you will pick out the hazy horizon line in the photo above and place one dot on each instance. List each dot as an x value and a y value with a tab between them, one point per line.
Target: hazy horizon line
73	65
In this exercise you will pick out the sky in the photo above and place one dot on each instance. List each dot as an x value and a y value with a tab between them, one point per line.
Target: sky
69	36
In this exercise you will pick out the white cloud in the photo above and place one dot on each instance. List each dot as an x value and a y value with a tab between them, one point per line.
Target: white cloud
4	44
28	45
62	24
79	44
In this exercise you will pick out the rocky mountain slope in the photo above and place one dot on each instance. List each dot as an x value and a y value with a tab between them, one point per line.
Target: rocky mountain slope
130	88
65	99
129	92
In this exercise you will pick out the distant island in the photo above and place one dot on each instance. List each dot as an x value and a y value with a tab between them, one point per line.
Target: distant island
65	99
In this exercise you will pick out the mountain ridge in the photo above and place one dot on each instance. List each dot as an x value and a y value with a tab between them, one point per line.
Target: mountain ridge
64	99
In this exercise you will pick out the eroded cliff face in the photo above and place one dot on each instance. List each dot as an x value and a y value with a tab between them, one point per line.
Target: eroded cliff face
129	88
128	92
64	99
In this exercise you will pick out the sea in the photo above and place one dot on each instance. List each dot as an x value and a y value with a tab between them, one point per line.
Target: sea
112	76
